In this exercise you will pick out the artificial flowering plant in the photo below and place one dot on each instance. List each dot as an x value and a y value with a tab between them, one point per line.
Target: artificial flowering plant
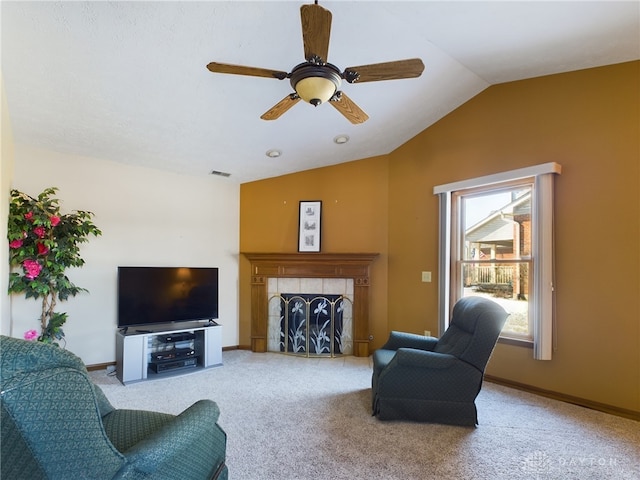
43	243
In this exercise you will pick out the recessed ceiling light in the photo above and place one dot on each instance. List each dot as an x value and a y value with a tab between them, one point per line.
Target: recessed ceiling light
273	153
341	139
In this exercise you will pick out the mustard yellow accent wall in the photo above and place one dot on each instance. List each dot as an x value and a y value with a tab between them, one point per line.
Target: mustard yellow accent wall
354	220
589	122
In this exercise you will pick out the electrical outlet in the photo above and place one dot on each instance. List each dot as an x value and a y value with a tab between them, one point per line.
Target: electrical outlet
426	277
427	333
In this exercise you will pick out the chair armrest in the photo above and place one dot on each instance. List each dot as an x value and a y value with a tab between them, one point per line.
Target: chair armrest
398	340
411	357
189	438
104	405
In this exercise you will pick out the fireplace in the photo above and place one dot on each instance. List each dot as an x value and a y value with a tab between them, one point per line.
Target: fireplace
310	324
353	267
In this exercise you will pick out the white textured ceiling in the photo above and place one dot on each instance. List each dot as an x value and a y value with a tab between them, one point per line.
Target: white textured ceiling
126	81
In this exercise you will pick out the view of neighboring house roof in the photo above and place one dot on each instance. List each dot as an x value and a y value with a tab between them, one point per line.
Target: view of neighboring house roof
497	227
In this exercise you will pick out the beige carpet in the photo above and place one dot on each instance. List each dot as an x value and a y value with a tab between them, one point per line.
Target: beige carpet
295	418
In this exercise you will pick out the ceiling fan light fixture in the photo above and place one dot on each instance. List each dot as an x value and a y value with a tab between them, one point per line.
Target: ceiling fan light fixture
315	84
315	81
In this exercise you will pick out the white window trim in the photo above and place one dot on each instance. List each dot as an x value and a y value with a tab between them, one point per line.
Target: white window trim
533	171
542	232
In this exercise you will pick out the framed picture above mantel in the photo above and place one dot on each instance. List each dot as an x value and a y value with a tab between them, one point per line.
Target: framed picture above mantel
309	226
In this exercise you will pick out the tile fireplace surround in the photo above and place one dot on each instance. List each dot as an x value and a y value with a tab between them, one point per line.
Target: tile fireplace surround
310	265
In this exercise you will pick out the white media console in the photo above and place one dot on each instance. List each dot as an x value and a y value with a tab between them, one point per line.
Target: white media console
145	354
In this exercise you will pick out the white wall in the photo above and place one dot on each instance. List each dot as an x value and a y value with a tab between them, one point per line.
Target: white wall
6	174
147	217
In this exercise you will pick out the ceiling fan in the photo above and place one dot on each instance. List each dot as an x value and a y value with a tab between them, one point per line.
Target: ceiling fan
316	81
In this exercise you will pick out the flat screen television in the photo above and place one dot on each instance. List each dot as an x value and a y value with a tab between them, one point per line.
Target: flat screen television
156	295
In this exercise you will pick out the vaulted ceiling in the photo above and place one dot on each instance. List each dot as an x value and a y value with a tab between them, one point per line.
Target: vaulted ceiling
127	81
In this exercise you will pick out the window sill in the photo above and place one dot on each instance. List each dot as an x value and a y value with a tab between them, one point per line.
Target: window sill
517	342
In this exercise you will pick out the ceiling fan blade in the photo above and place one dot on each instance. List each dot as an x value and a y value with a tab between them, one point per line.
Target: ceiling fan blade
281	107
216	67
349	109
316	30
410	68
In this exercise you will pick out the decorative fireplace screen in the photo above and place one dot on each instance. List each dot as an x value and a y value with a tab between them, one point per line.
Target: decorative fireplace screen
314	324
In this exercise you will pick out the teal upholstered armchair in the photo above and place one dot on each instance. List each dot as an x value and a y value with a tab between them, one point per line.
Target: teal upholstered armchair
56	424
437	380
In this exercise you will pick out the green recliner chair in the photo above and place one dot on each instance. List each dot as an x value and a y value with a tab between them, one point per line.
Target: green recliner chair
437	380
56	424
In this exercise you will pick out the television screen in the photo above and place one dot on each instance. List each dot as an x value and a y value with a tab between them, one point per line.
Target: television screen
148	295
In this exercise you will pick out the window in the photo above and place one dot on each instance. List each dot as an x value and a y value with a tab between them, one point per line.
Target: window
493	256
496	240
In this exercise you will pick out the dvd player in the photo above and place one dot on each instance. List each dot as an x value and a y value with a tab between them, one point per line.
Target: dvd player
176	337
166	366
173	353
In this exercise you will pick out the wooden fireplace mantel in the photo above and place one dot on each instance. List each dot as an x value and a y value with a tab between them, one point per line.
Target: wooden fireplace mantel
310	265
